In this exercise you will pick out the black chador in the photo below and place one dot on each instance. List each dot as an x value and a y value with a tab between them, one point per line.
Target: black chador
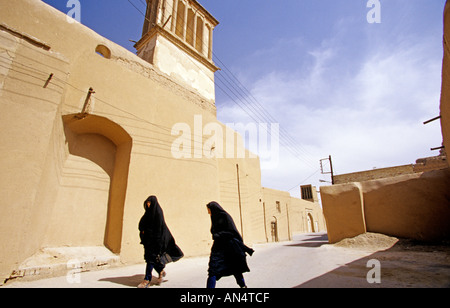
228	250
159	244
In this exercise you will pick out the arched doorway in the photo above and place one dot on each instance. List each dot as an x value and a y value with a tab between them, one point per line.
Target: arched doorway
90	200
274	229
310	223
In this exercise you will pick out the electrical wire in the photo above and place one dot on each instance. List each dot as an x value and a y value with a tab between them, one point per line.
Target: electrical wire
238	94
251	107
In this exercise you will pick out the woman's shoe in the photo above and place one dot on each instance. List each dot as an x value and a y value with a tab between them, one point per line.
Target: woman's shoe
162	274
144	284
160	278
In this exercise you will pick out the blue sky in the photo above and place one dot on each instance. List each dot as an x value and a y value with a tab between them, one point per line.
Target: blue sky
335	83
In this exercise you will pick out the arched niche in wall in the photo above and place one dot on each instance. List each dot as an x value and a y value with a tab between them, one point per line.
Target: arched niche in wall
106	144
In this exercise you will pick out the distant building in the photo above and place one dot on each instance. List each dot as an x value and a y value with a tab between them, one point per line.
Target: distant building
421	165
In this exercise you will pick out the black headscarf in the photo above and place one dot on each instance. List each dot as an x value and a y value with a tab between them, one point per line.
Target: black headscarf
158	242
222	224
228	251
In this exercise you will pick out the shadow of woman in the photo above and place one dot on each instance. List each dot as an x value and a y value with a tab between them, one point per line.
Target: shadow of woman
131	281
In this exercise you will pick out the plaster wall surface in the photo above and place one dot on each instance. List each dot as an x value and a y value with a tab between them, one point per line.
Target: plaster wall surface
87	137
413	206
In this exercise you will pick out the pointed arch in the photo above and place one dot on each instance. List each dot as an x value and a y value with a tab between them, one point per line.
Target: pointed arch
310	221
116	167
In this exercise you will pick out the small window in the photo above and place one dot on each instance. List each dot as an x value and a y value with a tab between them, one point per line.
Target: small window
190	27
306	192
278	206
179	28
199	35
103	51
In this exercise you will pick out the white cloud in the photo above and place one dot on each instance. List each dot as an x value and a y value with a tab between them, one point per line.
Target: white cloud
369	115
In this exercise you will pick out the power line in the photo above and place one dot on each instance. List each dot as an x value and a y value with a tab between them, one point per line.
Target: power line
310	176
136	7
266	114
242	94
245	100
248	103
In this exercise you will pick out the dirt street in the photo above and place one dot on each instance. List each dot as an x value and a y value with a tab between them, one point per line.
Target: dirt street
308	261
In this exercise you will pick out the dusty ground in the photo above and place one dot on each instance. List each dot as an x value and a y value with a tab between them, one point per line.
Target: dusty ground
307	261
403	263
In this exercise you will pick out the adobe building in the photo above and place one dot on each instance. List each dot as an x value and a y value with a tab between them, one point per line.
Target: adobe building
89	130
422	165
406	201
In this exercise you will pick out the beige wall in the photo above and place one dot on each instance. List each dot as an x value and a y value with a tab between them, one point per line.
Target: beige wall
292	215
276	205
421	165
161	52
410	206
29	130
373	174
79	179
240	183
343	210
177	39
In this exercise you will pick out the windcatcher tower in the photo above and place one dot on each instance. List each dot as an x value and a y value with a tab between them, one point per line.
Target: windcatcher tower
177	39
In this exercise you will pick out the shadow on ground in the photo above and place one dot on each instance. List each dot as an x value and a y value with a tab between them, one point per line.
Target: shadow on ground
131	281
313	242
407	264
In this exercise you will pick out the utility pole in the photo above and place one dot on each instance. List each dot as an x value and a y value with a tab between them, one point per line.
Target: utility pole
265	223
331	168
239	195
288	225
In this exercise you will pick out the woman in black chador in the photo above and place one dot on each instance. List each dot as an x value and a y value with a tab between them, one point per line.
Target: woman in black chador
228	250
159	244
